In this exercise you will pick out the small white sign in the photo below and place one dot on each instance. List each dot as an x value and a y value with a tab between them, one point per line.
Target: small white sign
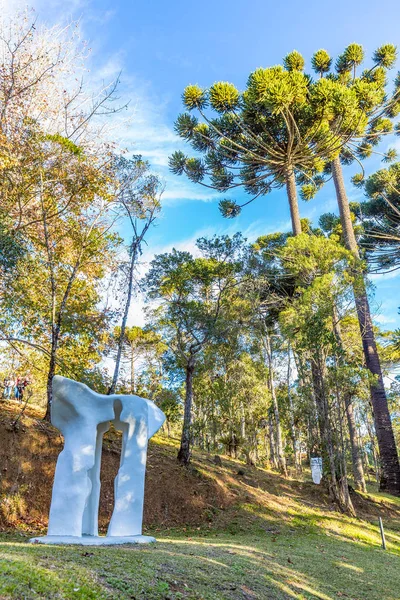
316	469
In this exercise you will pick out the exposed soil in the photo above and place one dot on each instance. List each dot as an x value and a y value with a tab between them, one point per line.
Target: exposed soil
174	495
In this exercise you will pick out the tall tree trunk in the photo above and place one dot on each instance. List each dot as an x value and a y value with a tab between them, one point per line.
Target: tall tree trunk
132	264
278	430
51	373
184	450
342	499
297	459
132	371
375	455
356	451
390	468
344	482
242	423
272	454
293	202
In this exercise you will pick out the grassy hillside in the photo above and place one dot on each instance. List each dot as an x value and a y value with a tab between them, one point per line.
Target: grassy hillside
224	532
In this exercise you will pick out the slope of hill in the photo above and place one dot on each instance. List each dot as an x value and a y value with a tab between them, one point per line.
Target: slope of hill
223	531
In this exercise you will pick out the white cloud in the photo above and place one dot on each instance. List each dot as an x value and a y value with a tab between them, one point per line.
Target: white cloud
384	320
378	277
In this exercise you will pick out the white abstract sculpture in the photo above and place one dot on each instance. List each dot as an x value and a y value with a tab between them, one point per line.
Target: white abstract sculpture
83	416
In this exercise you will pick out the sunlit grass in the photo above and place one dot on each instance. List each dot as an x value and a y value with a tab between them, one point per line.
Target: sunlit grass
336	557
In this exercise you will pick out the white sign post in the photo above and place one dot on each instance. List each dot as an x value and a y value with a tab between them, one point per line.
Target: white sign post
316	469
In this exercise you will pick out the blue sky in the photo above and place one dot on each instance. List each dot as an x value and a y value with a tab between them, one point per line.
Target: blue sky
160	47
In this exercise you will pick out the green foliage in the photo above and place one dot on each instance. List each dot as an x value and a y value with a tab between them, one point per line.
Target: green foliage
285	122
185	125
177	162
308	191
294	61
229	208
11	250
223	97
170	403
351	58
194	169
310	256
194	97
380	218
328	221
358	180
66	143
321	62
390	155
192	294
386	55
276	89
252	144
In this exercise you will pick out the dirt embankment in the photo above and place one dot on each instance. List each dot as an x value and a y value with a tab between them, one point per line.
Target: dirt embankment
28	455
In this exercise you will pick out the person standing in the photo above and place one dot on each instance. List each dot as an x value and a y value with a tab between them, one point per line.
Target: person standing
19	389
8	385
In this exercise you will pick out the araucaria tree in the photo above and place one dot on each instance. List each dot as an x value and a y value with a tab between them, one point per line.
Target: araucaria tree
287	129
271	135
371	119
379	216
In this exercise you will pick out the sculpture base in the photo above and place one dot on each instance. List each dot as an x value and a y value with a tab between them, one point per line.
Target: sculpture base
91	540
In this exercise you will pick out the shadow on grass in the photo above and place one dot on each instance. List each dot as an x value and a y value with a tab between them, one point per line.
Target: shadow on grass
278	566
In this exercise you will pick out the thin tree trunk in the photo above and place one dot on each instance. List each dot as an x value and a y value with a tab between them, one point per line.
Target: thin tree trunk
297	462
390	468
54	328
58	317
242	423
279	445
132	371
184	450
213	426
132	264
50	375
356	451
342	499
344	482
293	202
272	454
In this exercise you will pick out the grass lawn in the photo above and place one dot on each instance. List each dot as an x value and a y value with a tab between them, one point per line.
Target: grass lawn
316	555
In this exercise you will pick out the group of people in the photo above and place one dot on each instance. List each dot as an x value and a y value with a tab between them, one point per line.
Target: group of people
15	386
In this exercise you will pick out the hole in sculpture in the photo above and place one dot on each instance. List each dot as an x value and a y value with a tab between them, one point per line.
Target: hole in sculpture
91	512
123	428
106	472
